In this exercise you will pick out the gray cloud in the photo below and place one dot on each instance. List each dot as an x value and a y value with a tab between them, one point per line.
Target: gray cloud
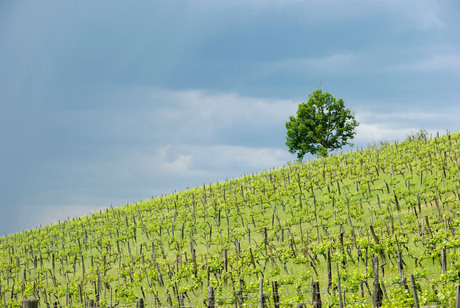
105	102
167	140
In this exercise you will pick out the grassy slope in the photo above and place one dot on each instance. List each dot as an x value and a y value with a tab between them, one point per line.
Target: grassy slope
147	249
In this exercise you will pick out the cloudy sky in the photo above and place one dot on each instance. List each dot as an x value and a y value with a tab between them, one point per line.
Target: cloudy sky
108	102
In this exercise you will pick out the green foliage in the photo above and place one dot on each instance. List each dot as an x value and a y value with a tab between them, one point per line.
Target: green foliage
277	225
322	124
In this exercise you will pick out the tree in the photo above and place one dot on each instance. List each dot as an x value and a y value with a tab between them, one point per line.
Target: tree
322	124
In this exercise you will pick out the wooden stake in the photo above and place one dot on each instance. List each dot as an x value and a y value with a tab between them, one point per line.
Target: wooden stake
402	279
276	298
444	259
261	293
457	298
414	290
316	295
211	299
329	270
377	294
339	287
29	303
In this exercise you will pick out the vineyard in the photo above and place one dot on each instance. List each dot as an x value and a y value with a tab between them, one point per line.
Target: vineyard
350	228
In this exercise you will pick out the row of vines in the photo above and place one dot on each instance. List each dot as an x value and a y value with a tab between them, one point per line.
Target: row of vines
324	220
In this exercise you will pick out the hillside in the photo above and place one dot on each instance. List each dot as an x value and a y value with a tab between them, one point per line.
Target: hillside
396	204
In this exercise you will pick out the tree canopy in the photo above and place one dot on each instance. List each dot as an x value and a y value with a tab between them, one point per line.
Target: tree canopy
322	124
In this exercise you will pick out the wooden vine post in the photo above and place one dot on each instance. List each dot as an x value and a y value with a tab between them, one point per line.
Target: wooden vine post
29	303
414	290
261	294
329	270
377	294
276	297
444	259
316	295
339	288
402	279
211	298
457	298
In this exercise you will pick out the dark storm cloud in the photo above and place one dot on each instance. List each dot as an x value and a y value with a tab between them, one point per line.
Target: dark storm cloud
110	102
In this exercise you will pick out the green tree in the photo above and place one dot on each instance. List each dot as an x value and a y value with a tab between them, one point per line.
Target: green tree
322	124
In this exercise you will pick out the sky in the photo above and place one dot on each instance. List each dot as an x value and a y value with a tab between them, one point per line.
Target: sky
108	102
